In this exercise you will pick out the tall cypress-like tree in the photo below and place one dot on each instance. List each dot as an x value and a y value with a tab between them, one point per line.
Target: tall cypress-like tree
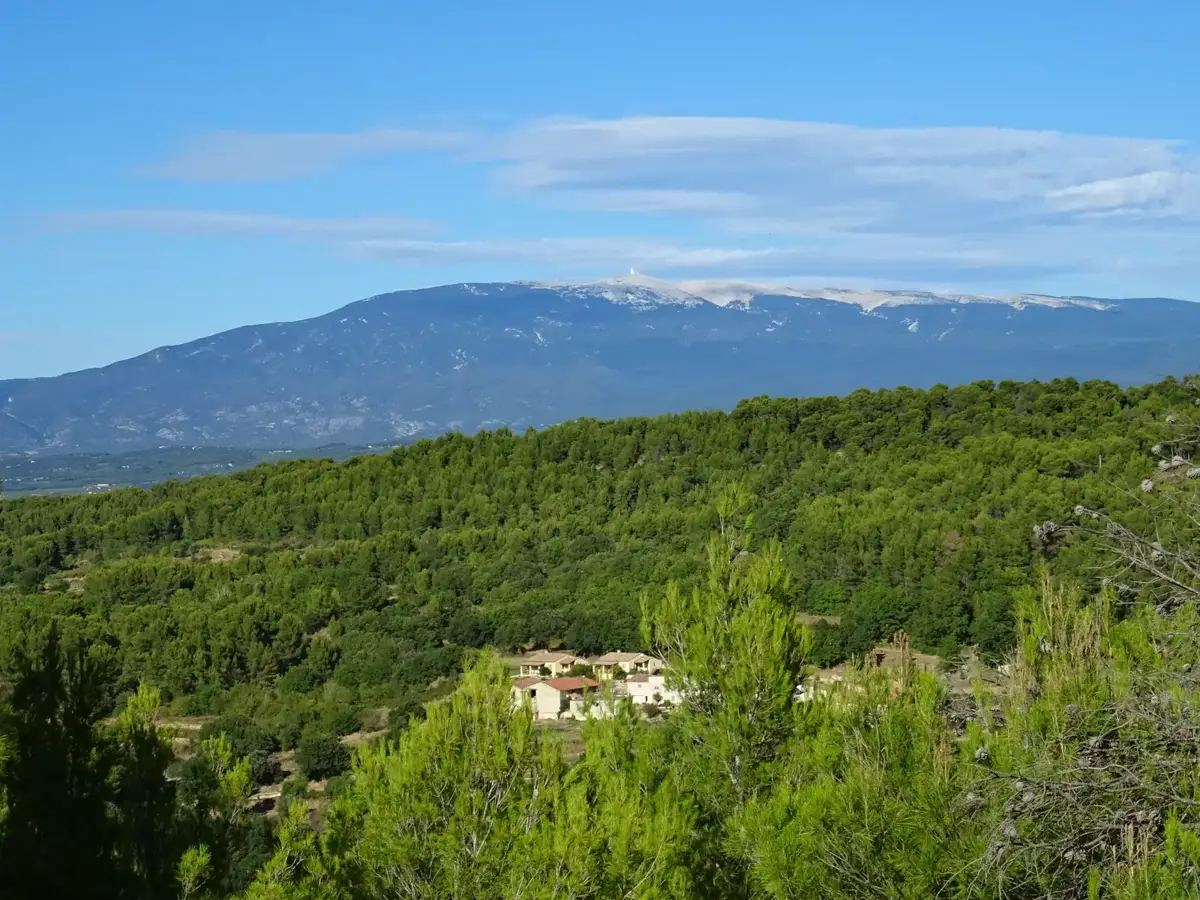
58	839
150	844
88	811
736	654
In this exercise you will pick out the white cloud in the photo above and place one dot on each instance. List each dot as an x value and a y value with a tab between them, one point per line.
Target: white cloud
203	222
401	240
281	156
811	177
568	252
1163	193
816	261
675	202
1008	205
761	197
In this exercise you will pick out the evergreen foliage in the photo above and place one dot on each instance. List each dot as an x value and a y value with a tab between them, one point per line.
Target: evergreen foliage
294	591
371	584
88	810
322	756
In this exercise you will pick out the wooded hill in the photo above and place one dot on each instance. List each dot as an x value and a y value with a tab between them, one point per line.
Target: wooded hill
296	589
287	597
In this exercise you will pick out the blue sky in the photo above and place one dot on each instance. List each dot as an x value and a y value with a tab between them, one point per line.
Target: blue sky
171	170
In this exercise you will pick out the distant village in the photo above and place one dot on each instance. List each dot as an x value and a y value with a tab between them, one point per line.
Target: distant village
558	685
565	686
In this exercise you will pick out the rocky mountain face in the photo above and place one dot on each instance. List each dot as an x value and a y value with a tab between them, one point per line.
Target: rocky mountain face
471	356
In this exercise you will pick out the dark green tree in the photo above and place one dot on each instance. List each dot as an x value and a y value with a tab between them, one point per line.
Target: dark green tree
322	756
58	838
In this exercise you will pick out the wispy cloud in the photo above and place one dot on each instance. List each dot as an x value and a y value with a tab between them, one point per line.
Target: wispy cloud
405	241
886	259
281	156
757	197
203	222
818	178
569	252
805	175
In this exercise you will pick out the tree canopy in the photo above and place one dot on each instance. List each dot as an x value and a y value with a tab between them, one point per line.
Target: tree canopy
294	602
293	590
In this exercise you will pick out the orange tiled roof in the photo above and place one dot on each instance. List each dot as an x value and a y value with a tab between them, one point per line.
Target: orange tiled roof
572	684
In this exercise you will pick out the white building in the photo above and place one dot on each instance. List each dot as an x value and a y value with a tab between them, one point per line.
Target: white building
646	690
589	706
555	698
520	690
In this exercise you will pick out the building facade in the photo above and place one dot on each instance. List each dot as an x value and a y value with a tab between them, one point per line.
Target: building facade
616	664
555	664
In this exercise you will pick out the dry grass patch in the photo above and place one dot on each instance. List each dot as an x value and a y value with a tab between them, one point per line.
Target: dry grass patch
217	554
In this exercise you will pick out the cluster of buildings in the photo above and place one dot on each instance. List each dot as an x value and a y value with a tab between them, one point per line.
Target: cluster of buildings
555	686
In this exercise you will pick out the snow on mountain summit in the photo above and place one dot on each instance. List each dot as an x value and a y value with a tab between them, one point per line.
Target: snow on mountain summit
644	291
464	357
634	289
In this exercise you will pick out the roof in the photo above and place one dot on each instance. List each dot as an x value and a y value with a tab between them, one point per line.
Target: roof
572	684
617	657
527	682
543	657
640	678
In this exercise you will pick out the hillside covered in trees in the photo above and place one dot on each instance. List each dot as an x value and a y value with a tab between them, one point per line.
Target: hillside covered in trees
297	590
1049	525
1079	776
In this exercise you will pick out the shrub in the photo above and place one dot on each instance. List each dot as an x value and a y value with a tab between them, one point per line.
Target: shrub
409	705
246	737
299	680
290	726
322	756
264	768
295	788
337	785
340	722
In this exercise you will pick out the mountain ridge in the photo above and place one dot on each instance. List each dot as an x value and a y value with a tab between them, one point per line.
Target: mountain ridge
729	293
406	364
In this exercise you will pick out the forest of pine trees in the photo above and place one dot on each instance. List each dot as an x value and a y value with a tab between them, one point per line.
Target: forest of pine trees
1044	525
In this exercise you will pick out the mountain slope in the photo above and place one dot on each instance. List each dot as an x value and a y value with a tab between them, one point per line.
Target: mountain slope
473	356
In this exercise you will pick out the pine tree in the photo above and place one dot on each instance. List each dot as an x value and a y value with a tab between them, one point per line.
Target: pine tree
58	840
736	654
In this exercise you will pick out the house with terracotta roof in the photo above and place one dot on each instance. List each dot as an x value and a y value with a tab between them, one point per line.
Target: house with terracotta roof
554	662
618	663
555	698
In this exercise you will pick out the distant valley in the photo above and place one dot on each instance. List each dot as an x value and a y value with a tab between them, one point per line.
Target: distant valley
466	357
77	473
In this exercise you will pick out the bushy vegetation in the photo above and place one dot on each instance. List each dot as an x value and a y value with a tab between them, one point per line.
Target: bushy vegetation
357	585
1013	517
1077	778
322	756
86	807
